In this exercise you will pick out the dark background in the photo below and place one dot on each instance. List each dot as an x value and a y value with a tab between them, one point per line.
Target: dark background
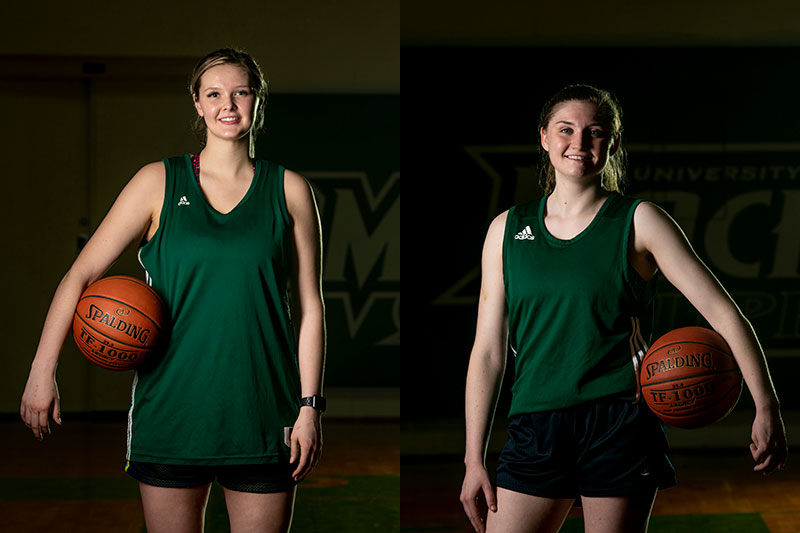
715	125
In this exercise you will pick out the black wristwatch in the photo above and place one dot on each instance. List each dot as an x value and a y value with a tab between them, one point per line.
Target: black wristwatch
317	402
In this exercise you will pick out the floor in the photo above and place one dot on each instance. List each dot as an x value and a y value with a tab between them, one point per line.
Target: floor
717	490
74	480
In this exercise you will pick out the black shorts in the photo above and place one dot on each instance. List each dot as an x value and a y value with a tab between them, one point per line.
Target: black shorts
260	478
600	449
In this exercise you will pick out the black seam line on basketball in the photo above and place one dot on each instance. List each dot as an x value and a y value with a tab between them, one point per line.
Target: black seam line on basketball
688	386
129	279
708	406
119	342
714	373
692	342
134	281
123	303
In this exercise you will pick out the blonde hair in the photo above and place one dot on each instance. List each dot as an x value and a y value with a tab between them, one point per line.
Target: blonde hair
258	84
613	175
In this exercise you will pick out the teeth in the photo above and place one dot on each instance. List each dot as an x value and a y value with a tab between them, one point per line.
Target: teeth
578	157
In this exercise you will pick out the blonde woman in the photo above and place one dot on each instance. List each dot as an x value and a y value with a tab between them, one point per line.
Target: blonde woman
237	395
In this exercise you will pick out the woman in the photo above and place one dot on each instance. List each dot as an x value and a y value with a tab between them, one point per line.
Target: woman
225	239
564	280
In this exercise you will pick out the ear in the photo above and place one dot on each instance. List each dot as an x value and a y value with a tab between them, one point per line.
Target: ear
615	144
543	139
197	105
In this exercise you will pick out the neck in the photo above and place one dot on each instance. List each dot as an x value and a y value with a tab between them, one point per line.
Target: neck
231	156
571	198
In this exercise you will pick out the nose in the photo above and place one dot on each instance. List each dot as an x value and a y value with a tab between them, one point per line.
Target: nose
230	103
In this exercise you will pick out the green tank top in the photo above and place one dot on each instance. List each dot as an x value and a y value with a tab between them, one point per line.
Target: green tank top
573	308
228	384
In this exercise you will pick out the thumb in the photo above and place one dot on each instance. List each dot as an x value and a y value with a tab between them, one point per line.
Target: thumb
57	411
491	499
295	449
754	451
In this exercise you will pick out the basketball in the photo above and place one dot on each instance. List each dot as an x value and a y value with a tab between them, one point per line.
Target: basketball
689	378
119	322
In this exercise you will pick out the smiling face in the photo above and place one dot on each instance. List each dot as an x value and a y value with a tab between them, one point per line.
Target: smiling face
578	140
226	102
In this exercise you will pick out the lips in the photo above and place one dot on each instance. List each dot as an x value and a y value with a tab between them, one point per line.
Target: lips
579	157
229	120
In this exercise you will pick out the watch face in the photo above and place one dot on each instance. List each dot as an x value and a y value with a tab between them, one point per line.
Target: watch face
317	402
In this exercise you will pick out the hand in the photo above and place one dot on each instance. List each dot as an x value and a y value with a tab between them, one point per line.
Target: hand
39	401
476	480
768	445
306	442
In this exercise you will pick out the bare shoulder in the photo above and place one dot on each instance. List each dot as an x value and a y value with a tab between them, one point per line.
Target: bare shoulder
649	218
298	192
653	228
497	229
143	196
150	178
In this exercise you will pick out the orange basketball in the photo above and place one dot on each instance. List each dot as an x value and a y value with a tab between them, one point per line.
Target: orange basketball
119	322
689	378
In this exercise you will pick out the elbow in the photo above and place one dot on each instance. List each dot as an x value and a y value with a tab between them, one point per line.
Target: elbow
490	359
78	279
727	319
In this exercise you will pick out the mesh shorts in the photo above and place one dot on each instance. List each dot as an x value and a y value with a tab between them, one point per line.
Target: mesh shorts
260	478
601	449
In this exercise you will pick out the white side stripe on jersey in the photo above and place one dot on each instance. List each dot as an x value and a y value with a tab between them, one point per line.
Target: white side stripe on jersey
638	350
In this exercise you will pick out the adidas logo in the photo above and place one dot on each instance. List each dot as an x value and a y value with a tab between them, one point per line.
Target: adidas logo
183	201
524	235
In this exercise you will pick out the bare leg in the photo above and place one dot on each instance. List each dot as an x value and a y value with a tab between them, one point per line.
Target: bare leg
618	514
523	513
260	513
171	510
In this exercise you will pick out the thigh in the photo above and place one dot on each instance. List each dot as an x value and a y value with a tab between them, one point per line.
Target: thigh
174	510
623	451
538	458
618	514
251	512
524	513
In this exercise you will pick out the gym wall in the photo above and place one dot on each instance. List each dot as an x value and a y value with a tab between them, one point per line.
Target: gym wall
96	92
711	129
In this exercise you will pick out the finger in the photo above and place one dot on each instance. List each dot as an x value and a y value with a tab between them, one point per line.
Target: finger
491	498
757	452
470	504
57	411
43	421
294	446
313	457
30	421
311	451
302	464
471	508
768	465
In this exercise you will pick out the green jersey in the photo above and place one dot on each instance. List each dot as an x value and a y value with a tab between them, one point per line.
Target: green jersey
573	308
227	387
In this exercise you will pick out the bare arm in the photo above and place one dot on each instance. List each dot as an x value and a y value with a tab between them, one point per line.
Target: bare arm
126	222
658	238
309	314
485	373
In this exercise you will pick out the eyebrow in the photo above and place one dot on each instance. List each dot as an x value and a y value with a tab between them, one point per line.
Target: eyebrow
568	123
218	88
